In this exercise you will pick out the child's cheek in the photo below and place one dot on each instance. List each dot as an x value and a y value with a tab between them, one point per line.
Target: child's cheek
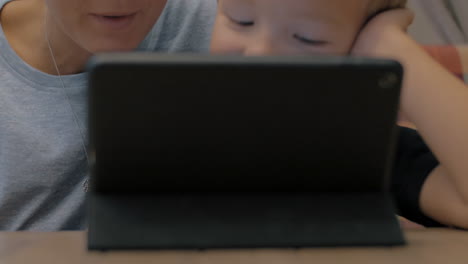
226	45
226	41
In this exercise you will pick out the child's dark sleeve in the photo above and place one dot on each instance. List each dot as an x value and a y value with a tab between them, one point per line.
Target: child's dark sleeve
413	163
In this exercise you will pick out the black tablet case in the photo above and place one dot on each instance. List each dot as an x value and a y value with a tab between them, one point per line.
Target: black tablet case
229	152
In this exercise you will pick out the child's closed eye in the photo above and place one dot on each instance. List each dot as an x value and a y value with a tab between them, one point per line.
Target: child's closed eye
241	22
308	41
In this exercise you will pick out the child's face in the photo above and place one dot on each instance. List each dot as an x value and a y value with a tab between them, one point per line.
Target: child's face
261	27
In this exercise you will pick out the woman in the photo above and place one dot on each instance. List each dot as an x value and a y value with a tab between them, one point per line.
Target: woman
44	46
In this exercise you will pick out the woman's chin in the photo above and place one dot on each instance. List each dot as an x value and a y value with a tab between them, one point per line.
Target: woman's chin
113	47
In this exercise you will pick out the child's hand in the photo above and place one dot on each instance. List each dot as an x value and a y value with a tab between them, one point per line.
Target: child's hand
384	36
381	33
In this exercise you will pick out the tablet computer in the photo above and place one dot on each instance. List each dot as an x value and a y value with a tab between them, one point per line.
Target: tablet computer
193	151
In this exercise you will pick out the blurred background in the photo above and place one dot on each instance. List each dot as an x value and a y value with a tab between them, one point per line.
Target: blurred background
440	22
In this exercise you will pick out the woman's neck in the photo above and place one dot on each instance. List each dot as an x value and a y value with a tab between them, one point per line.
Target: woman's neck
26	24
69	56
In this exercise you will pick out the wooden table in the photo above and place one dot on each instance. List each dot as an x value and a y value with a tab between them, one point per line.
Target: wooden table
438	246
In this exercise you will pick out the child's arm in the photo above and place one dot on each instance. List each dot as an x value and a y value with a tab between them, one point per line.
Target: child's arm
437	103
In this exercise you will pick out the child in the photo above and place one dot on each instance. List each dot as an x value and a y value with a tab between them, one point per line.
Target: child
429	191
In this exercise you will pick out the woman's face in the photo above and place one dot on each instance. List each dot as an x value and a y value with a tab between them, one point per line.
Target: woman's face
105	25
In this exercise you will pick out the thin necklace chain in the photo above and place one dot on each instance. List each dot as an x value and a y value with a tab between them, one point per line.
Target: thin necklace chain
75	117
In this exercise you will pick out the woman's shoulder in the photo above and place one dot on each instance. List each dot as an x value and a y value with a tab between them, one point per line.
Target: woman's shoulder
183	26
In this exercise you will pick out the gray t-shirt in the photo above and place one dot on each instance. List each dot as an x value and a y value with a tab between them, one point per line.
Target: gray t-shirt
43	168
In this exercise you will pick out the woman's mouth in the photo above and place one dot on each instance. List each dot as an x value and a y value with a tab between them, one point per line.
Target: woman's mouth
114	21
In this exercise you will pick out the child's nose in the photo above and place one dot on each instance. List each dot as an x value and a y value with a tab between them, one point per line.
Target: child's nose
260	46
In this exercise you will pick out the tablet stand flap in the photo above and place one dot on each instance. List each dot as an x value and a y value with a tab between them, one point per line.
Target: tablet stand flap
201	221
